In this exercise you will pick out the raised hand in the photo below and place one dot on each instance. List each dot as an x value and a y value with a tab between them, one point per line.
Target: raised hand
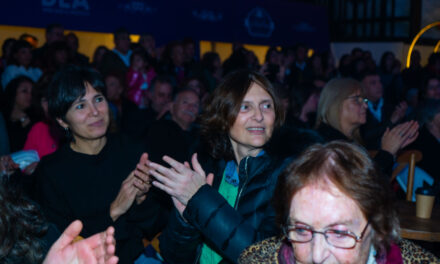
97	249
400	136
126	196
179	181
141	173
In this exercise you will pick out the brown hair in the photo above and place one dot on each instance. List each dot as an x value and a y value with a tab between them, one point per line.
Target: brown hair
351	170
223	105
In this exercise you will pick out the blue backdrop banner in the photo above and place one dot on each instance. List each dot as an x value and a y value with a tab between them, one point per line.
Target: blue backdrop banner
274	22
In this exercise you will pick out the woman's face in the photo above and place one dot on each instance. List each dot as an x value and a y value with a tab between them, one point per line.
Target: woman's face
114	88
88	117
322	207
23	96
254	124
23	57
353	110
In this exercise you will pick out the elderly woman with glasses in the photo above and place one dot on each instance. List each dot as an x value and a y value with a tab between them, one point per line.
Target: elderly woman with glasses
342	110
333	208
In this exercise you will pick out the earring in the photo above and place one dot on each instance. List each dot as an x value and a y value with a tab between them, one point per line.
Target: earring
67	130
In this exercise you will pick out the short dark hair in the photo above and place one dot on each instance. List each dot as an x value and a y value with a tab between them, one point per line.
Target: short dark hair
162	79
18	45
351	170
141	53
222	108
208	59
6	43
52	26
364	74
120	31
67	85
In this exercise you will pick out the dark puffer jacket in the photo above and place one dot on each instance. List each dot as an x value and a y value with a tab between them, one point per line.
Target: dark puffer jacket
211	220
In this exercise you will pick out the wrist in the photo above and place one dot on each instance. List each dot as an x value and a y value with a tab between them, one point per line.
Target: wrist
114	212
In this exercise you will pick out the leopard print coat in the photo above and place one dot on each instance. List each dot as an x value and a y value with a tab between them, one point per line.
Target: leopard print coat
267	251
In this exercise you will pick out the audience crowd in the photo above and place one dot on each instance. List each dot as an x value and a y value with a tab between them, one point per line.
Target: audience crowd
157	141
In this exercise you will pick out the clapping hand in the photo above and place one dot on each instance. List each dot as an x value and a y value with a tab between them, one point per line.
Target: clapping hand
400	136
143	182
134	187
180	181
97	249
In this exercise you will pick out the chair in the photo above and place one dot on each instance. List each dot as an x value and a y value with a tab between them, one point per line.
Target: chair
407	157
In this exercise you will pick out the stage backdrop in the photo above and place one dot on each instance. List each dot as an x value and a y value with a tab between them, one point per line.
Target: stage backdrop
274	22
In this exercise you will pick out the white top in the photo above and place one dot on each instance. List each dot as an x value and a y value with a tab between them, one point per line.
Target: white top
13	71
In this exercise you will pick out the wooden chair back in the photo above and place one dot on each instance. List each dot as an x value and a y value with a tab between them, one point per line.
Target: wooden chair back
410	157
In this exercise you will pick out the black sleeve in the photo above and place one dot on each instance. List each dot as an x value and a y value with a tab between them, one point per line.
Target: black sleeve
384	161
52	202
179	241
152	214
222	227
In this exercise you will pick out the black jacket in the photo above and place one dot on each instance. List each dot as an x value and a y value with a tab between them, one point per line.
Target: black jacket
383	159
227	229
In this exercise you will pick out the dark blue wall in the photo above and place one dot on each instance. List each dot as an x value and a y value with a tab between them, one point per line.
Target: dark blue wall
274	22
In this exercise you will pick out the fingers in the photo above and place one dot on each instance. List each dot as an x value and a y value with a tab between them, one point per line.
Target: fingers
112	260
163	187
196	165
407	129
162	174
144	158
142	186
210	179
175	164
142	177
68	235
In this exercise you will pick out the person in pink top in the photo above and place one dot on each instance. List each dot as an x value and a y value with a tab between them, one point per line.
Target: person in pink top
139	78
44	136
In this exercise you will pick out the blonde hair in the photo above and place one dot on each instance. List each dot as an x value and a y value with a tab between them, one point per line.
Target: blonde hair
331	101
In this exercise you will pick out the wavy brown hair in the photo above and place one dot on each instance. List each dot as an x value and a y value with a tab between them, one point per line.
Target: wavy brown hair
222	108
351	170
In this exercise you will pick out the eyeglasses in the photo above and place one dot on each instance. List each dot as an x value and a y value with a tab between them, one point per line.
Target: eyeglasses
359	99
340	239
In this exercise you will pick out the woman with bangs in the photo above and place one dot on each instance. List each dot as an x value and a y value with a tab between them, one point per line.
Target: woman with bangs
342	110
96	177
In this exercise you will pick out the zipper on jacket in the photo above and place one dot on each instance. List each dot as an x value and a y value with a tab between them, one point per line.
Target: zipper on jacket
235	206
199	254
244	184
